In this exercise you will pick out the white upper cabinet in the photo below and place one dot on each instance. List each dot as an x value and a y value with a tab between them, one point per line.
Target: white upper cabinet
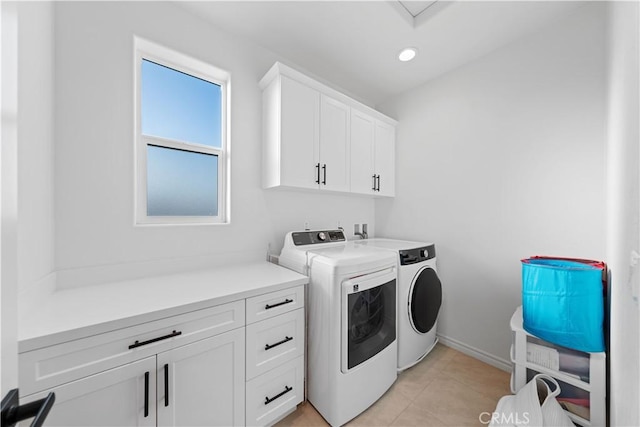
334	145
293	129
317	138
363	177
372	155
385	159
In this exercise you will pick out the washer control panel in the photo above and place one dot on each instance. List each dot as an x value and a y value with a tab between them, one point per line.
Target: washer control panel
413	256
318	236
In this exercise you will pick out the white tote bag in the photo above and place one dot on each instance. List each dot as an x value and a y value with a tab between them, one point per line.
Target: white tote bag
535	404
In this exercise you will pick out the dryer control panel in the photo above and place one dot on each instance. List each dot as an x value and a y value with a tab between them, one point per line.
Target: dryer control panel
317	236
413	256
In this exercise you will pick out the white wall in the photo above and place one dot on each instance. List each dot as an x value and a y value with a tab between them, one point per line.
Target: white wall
623	193
27	162
94	149
35	144
8	197
502	159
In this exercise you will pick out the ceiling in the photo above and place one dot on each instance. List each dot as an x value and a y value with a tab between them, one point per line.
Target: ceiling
354	44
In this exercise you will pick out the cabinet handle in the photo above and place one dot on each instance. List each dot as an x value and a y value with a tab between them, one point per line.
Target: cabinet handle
268	400
318	173
166	384
146	394
378	189
268	307
270	346
140	344
13	412
324	174
374	183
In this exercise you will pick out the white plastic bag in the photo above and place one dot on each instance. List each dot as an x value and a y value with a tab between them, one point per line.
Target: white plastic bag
534	404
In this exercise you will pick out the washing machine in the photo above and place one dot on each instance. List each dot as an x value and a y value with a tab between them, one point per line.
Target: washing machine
419	297
351	321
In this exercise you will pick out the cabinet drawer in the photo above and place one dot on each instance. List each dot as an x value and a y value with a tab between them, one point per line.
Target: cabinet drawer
274	303
274	394
274	341
50	366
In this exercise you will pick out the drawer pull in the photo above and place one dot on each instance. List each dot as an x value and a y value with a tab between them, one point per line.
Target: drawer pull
287	301
268	400
270	346
140	344
146	394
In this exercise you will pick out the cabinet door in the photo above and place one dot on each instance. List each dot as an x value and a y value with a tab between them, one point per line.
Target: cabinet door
299	121
334	145
116	397
205	382
362	142
385	143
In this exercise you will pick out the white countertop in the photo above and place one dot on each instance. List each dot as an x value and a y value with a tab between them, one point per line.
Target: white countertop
75	313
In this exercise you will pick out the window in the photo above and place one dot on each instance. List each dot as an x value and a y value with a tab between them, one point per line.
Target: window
181	138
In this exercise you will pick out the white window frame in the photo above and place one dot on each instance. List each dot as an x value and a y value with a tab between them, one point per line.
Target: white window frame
144	49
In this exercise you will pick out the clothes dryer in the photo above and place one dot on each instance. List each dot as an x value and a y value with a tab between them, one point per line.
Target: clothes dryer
351	321
419	297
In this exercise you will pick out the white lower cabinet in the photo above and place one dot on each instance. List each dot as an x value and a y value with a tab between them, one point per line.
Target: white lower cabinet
274	341
199	384
274	394
187	370
111	398
202	384
275	355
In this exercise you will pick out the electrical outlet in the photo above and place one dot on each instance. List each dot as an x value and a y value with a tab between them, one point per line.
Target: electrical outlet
307	226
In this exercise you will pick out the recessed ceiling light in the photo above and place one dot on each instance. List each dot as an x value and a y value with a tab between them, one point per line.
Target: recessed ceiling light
407	54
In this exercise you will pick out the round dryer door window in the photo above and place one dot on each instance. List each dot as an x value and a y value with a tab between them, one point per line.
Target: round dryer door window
426	298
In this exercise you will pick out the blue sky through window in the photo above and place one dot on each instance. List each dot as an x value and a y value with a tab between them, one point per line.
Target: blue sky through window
180	107
181	183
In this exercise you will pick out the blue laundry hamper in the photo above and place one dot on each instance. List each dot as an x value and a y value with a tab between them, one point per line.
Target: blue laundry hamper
563	301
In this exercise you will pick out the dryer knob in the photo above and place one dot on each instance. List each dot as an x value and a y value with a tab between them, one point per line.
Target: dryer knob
424	253
322	236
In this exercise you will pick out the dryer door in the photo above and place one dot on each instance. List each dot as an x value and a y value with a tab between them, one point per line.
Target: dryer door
425	298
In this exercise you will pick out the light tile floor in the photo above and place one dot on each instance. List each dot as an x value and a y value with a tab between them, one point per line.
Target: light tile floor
447	388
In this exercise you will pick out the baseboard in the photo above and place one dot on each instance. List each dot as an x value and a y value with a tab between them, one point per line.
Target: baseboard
488	358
